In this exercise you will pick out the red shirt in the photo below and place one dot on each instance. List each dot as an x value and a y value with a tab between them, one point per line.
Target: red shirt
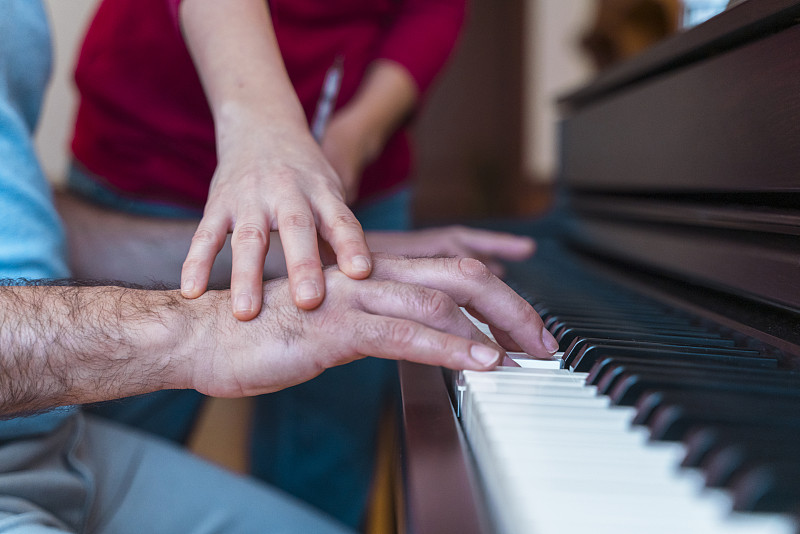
144	124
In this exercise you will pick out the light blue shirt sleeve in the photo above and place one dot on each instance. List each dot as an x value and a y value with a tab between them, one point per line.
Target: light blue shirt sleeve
31	236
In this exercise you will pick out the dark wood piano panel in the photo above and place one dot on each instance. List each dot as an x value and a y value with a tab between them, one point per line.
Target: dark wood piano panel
757	269
441	490
722	125
691	167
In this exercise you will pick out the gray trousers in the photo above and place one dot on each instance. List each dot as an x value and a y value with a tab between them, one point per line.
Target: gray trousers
93	476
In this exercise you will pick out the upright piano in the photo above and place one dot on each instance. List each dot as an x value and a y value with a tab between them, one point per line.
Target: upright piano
669	272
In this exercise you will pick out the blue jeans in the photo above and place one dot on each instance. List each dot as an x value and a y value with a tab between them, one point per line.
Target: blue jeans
317	440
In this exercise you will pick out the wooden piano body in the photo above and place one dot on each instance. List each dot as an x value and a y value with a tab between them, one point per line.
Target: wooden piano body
680	179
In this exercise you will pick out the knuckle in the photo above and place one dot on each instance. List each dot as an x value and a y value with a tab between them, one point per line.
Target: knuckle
367	335
472	269
401	334
345	221
205	237
451	359
297	221
306	265
529	314
436	304
249	233
525	314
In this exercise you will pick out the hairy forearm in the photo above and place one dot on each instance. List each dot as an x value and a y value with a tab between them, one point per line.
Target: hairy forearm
62	345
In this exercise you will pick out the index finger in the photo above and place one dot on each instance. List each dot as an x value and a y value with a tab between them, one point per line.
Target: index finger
470	283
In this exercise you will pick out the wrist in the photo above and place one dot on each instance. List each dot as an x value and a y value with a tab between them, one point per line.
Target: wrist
159	339
214	344
242	119
191	334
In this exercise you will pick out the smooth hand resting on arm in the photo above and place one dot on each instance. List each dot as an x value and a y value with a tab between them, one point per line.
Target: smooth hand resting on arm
271	173
70	345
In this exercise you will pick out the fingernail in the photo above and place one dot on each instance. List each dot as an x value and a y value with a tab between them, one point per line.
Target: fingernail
188	286
484	355
549	341
243	303
361	264
307	290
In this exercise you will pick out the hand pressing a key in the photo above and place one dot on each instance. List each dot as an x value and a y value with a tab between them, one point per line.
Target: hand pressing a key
96	343
408	309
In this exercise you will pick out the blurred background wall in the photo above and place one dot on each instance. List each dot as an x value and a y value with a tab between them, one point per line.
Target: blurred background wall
68	19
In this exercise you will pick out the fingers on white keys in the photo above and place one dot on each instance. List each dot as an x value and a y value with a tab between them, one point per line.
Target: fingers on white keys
470	283
404	339
417	323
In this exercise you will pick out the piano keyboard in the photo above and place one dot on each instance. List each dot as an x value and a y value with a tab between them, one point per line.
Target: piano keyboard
649	421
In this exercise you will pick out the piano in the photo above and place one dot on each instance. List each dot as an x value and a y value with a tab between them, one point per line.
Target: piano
669	272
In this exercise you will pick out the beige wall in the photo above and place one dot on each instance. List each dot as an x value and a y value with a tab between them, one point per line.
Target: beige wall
68	19
552	65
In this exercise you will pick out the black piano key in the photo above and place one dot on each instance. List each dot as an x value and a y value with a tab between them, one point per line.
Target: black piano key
582	354
625	383
769	488
602	309
603	371
701	442
687	374
610	327
569	335
726	464
669	415
557	320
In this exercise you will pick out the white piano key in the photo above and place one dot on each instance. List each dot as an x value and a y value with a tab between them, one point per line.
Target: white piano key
522	359
556	458
519	373
525	360
501	379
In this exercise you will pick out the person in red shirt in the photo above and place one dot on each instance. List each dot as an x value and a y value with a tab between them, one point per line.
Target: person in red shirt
144	127
145	142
